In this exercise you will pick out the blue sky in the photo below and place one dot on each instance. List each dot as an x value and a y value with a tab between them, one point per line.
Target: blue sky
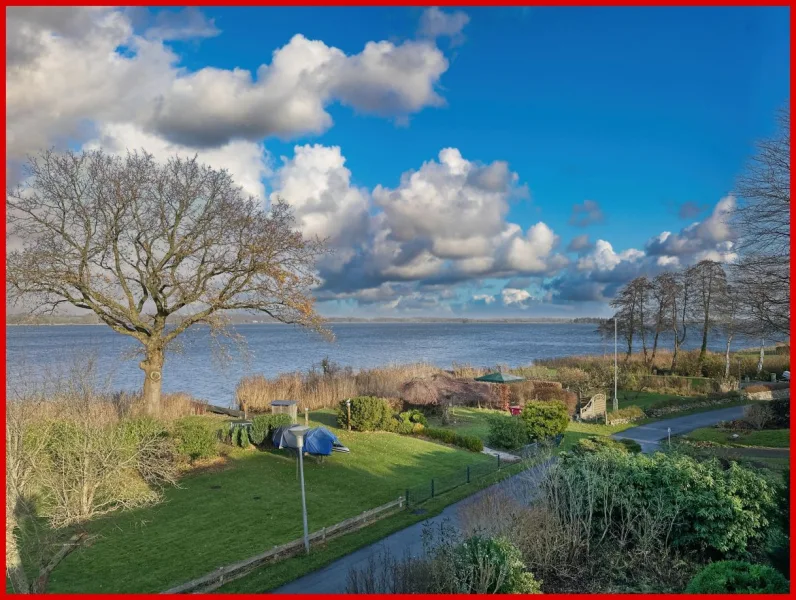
637	110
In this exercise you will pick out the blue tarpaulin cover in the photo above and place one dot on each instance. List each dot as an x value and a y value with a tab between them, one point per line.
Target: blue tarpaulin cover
318	440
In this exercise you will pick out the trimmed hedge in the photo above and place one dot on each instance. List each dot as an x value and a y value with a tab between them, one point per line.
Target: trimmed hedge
468	442
368	413
738	577
263	426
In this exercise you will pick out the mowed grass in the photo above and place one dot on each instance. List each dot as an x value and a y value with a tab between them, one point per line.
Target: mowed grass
468	421
254	503
645	400
770	438
272	576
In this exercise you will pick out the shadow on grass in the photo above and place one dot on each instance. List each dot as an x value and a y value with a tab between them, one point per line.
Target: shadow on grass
216	518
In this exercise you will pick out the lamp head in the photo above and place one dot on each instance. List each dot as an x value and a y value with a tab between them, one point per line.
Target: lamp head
299	431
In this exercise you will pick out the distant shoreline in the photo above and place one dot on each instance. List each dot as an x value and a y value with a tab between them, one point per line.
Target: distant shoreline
541	321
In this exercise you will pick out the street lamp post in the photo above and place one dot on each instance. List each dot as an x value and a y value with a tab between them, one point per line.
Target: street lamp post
348	409
299	432
616	398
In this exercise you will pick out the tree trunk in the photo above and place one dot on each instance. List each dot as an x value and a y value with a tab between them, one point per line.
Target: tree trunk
152	366
704	349
14	570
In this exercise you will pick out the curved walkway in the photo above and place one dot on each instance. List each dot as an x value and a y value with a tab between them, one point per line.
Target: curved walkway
651	435
332	579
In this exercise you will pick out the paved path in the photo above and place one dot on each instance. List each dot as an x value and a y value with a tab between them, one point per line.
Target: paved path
650	435
333	578
504	456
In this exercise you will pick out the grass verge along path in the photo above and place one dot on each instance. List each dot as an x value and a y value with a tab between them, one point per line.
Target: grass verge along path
766	438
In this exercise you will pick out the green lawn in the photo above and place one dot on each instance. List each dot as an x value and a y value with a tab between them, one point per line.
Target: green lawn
215	518
767	438
273	576
645	400
468	421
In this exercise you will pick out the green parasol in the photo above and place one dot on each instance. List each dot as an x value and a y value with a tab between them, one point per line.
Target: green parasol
499	378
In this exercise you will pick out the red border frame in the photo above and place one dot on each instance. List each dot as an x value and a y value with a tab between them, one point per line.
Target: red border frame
407	3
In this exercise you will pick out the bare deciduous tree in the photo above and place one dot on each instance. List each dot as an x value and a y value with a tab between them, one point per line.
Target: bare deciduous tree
709	282
762	222
153	249
660	308
728	315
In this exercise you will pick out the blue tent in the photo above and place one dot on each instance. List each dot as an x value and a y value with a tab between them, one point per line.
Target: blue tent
318	441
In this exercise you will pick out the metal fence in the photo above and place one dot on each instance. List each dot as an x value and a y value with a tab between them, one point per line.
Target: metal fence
418	494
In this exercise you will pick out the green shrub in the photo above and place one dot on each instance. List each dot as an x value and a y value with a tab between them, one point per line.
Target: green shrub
507	432
196	437
712	510
443	435
447	436
406	427
492	566
368	413
414	416
544	419
468	442
631	413
243	439
264	425
736	577
601	443
780	410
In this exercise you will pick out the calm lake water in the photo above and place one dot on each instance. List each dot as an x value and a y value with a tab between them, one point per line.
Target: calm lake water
273	349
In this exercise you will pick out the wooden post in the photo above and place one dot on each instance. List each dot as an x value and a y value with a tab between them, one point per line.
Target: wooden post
348	407
306	416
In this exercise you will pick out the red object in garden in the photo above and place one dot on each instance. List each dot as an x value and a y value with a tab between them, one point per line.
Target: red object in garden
514	410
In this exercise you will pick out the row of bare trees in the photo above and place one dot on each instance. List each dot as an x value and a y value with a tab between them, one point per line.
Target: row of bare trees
699	299
751	296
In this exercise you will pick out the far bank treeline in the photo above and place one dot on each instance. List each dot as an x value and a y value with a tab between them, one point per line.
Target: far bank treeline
748	295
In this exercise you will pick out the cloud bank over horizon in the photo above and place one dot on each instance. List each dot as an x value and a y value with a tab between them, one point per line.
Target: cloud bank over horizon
441	241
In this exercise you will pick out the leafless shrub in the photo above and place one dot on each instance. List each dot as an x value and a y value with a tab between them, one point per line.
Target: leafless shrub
758	415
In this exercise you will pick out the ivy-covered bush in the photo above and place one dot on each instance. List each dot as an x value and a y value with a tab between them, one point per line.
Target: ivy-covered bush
544	419
196	437
368	413
737	577
508	433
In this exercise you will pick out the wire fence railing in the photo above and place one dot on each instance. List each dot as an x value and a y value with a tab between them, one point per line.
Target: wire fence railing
415	495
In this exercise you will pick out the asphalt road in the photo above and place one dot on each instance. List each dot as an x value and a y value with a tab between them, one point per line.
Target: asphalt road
333	578
650	436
